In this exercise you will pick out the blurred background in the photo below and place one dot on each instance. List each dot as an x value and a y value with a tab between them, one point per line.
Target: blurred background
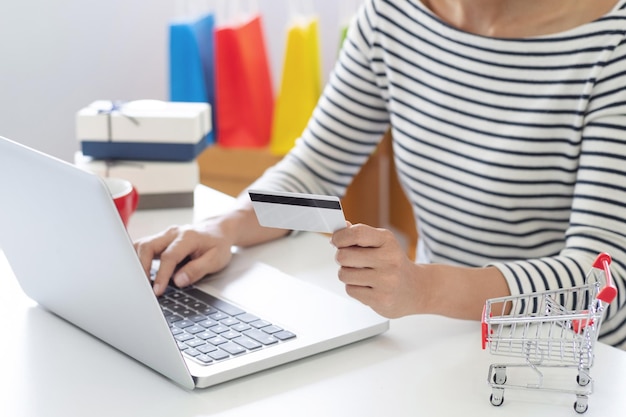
58	56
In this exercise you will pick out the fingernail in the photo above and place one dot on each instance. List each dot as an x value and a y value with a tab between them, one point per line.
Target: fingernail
181	280
157	289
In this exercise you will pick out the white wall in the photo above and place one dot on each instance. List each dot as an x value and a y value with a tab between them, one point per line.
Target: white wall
57	56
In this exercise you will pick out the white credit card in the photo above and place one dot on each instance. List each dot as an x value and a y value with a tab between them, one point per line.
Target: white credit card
298	211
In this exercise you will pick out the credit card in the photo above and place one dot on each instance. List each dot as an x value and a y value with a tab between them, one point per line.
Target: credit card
298	211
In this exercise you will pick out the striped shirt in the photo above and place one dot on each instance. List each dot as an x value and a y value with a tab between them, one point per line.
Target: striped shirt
512	152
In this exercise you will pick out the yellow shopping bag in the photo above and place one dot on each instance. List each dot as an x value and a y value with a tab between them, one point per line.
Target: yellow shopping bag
300	85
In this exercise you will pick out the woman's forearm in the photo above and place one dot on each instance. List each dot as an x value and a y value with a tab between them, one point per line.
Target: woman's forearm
459	292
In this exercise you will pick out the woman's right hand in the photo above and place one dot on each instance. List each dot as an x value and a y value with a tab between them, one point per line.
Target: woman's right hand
186	253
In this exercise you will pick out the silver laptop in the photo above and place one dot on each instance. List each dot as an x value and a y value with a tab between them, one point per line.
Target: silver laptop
70	252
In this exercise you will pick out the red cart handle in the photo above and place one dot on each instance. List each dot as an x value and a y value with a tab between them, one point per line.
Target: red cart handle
608	293
484	327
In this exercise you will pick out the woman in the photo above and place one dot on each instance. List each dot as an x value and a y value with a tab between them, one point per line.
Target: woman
509	127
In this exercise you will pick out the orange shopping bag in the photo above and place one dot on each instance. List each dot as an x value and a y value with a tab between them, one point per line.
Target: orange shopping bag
244	94
301	84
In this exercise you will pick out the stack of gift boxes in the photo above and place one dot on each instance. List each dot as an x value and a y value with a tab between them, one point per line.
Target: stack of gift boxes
153	144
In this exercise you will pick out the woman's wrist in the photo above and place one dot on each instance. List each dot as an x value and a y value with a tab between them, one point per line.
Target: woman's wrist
456	291
240	227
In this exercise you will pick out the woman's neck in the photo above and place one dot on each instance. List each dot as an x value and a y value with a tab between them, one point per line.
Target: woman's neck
518	18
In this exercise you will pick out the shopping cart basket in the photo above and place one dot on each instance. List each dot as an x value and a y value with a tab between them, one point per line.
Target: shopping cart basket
548	330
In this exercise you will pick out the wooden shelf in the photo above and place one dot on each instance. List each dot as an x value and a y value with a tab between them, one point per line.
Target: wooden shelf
231	170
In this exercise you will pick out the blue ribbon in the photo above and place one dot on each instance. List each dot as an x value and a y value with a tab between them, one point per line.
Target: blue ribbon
116	106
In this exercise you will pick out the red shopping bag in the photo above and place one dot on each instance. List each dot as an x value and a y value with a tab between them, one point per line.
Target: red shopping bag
244	94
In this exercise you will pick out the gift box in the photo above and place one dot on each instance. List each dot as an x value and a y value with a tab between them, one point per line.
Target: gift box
159	184
148	130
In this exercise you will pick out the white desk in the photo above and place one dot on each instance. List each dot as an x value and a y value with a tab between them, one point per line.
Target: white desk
424	365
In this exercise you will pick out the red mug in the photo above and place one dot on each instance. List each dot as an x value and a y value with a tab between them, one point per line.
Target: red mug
125	197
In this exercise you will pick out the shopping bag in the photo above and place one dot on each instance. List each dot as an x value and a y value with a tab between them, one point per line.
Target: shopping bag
244	96
192	62
347	12
191	59
300	86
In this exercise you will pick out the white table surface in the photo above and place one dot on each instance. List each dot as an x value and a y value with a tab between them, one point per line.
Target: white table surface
423	366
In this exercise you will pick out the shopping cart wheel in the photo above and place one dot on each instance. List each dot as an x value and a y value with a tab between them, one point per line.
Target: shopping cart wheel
497	397
499	376
583	379
580	405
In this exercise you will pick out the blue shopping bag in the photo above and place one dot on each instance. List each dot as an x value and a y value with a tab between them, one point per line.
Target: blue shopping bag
192	60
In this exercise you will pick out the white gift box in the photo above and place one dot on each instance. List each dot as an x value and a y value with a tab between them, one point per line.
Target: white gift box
159	184
144	130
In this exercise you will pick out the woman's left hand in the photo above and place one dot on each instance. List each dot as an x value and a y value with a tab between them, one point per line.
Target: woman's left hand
376	270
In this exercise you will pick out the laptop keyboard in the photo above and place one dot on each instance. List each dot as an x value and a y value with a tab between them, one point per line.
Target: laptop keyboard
210	330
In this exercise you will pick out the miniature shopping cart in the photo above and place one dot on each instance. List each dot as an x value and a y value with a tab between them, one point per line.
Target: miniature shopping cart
548	331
